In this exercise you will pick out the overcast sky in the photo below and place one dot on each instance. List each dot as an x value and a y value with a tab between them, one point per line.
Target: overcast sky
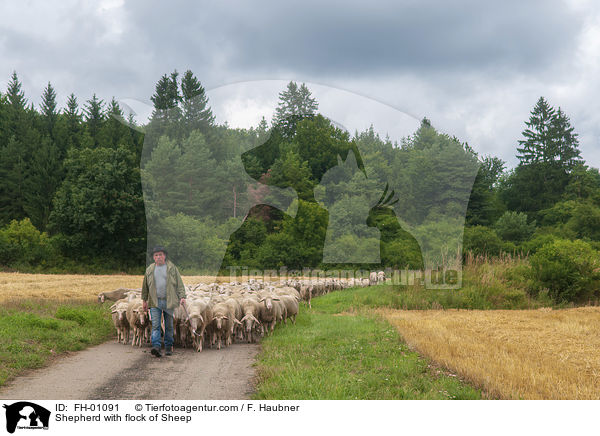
474	68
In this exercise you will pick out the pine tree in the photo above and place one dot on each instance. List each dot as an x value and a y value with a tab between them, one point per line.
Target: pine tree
262	131
94	117
295	103
196	112
18	122
48	108
4	130
160	98
166	114
173	90
72	111
14	94
45	173
537	145
568	153
73	121
549	138
13	168
425	136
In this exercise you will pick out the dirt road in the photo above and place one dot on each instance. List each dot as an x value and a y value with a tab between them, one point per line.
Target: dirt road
115	371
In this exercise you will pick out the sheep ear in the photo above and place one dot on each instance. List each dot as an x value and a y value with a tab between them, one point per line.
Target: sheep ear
225	318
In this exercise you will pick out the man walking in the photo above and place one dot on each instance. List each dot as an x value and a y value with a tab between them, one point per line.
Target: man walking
162	292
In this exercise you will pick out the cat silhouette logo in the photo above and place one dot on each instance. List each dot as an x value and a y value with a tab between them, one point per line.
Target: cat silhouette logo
26	415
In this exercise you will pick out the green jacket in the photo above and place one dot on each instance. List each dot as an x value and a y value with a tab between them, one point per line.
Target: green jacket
175	289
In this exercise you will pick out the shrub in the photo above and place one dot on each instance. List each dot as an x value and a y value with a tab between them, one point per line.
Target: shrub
21	242
481	240
567	269
585	221
512	226
538	241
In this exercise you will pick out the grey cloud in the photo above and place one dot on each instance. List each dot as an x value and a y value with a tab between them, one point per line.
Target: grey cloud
363	39
486	61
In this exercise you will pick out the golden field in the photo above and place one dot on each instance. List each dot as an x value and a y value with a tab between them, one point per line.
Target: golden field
511	354
15	286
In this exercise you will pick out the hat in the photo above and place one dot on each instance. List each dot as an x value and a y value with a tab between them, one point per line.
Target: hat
158	248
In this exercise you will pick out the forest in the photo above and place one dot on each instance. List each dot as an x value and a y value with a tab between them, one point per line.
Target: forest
86	189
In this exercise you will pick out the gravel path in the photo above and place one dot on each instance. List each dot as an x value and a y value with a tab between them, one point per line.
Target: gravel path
115	371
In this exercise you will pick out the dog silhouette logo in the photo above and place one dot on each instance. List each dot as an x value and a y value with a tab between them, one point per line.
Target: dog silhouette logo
26	415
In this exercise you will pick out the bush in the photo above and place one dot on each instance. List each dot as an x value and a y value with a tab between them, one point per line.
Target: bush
481	240
22	243
537	242
567	269
585	222
512	226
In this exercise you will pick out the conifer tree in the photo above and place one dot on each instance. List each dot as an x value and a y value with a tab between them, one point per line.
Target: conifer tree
295	103
567	143
48	108
18	123
196	112
45	173
94	117
166	113
13	170
549	138
114	129
160	98
14	94
73	121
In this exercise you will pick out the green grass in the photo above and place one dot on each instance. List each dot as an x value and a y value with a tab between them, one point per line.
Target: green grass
333	354
33	332
419	298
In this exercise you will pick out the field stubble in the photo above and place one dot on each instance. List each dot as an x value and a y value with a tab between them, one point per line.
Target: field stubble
84	287
511	354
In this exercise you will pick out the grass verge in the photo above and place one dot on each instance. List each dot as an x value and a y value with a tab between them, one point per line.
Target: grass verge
33	332
332	353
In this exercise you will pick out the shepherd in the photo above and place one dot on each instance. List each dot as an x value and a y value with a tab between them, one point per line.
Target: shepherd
162	292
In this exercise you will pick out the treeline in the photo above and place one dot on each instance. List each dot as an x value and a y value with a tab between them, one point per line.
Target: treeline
85	190
50	158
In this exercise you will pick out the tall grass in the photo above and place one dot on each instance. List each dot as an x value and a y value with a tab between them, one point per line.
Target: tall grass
488	283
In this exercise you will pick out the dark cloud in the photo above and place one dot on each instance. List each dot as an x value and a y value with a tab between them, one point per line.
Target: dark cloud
341	38
475	68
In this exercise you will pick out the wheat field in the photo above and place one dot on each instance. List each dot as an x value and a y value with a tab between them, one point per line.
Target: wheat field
16	286
511	354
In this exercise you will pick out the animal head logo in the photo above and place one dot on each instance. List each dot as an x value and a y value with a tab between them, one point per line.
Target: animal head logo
24	414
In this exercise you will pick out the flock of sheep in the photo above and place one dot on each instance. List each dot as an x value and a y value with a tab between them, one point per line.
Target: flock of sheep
221	313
